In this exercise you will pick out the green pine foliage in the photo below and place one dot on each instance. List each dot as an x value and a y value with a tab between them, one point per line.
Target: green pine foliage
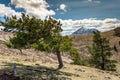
101	53
43	35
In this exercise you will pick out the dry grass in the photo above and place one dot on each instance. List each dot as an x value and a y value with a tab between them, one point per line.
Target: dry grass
34	65
35	69
37	65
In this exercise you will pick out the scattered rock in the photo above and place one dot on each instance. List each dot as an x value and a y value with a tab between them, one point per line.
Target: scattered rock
80	70
107	78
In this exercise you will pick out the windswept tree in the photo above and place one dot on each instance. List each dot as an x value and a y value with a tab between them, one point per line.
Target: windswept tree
55	44
43	35
101	53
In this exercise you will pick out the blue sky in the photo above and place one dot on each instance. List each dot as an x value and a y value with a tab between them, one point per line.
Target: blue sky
80	9
100	14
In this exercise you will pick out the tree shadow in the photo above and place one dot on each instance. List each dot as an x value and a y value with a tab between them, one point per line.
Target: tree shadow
37	72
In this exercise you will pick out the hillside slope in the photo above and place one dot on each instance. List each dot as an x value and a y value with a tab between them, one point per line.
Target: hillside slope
82	41
33	69
34	65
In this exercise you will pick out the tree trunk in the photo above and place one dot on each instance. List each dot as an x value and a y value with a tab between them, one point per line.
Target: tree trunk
59	60
103	63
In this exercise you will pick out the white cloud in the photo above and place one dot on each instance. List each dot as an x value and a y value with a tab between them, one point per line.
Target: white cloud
69	26
8	11
37	8
97	2
90	0
63	7
93	1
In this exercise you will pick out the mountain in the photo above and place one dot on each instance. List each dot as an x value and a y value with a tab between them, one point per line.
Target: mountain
83	30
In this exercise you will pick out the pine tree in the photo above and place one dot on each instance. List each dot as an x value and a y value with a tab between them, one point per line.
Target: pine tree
101	53
43	35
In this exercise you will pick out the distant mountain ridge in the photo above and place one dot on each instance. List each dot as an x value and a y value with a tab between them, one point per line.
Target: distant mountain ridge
83	30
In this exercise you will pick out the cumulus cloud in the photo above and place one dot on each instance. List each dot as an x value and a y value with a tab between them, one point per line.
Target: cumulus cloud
69	26
63	7
37	8
8	11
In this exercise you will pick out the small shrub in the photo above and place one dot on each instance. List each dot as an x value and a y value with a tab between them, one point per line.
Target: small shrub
76	57
83	62
8	44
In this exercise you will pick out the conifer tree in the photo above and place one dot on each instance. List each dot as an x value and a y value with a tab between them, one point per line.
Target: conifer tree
101	53
43	35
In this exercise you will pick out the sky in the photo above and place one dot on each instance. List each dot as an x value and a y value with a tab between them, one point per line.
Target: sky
103	15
